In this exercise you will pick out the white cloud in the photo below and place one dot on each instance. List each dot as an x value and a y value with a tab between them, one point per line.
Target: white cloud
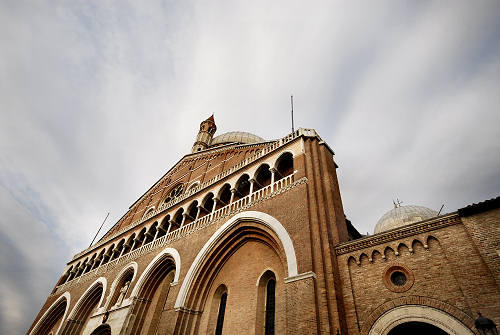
97	101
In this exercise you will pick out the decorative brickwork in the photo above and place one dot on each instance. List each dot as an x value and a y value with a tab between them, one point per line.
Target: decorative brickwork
229	219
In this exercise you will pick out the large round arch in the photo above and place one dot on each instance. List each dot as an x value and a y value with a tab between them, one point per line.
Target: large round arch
418	313
55	313
253	216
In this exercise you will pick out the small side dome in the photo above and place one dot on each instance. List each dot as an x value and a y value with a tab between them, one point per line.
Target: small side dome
402	216
236	137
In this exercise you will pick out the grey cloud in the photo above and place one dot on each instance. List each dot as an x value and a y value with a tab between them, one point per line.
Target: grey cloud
97	101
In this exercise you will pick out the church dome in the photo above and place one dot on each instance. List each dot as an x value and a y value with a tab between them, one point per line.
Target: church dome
236	137
402	216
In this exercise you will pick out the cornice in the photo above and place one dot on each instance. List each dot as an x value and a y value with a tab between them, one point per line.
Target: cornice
398	233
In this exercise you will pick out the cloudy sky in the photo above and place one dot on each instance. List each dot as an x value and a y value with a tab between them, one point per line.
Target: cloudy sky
99	99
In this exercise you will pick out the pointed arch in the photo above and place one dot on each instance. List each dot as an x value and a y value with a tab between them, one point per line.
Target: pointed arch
88	304
51	315
254	216
158	259
152	290
101	281
129	268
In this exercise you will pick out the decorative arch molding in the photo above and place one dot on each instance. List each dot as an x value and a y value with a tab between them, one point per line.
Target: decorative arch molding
65	296
254	216
151	266
131	265
419	313
263	273
102	281
371	325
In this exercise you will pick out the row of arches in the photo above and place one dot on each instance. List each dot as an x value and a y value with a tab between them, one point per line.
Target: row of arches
389	251
211	202
151	289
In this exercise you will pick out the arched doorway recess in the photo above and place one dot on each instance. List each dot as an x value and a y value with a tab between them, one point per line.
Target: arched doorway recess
104	329
416	328
396	318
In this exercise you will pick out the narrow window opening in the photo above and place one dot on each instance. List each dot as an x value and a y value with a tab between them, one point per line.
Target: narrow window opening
220	316
270	307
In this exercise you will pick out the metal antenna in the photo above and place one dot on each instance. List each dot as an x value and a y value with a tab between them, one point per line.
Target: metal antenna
98	230
440	209
291	100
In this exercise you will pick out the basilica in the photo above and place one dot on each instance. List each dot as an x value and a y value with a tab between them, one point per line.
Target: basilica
245	235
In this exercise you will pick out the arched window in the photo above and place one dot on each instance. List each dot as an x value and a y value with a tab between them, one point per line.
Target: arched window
150	235
174	193
193	186
192	212
139	239
89	265
262	177
121	289
118	250
266	304
270	306
149	211
98	260
284	165
217	311
242	187
207	204
220	315
224	196
177	221
162	230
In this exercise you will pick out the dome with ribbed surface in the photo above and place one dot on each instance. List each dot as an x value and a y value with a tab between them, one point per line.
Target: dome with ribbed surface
402	216
236	137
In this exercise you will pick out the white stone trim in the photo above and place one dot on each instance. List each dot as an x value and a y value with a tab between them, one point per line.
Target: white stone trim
258	217
420	313
104	284
167	251
260	276
305	275
112	289
66	296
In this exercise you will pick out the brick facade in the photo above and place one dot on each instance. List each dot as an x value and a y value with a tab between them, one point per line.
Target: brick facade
292	228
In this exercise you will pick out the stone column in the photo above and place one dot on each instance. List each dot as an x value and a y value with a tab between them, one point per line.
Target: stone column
273	172
233	191
198	212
